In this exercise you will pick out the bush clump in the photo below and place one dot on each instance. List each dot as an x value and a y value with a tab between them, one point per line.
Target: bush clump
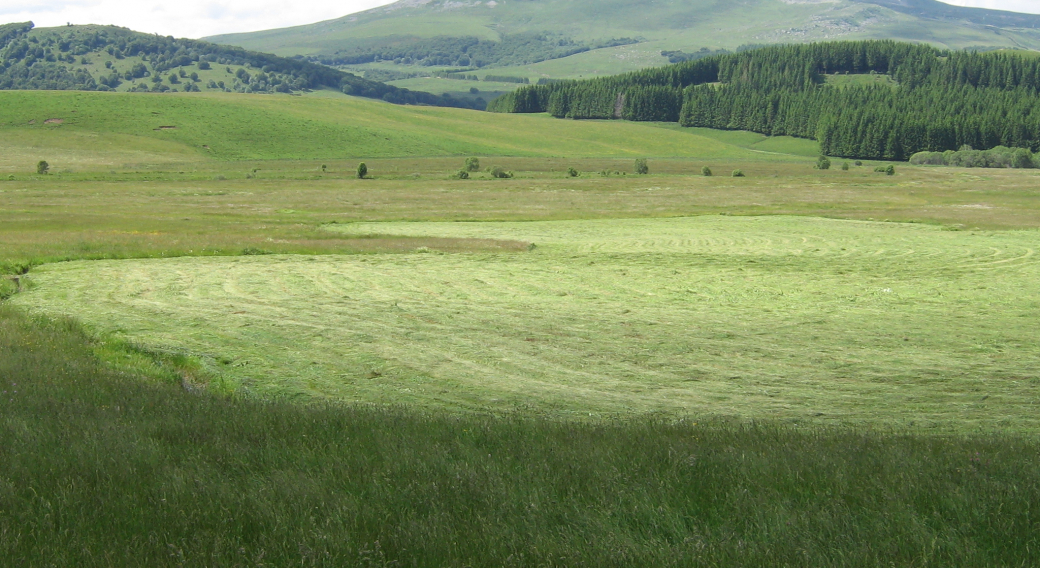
967	157
499	172
706	171
42	167
362	170
472	165
641	167
571	172
823	163
738	173
461	174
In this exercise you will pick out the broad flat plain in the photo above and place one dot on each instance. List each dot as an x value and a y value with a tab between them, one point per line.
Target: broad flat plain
803	319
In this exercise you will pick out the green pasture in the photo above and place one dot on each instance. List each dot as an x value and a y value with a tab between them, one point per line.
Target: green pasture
102	467
790	318
244	355
134	127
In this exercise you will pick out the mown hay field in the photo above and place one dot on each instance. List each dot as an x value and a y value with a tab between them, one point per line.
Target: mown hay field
791	318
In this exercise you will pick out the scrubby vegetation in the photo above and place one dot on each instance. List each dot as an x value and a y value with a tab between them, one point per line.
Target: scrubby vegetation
967	157
943	101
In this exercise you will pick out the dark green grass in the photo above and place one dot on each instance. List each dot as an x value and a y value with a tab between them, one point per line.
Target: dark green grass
103	469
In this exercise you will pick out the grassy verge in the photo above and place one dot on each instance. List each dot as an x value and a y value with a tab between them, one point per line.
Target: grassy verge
106	469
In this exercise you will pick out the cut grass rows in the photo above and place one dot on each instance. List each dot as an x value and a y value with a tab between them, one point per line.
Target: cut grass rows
791	318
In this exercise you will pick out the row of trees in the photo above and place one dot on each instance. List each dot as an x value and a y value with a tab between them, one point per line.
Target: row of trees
944	100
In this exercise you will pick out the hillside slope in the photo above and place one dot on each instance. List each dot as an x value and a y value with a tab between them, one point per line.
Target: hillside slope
412	35
932	100
90	130
110	58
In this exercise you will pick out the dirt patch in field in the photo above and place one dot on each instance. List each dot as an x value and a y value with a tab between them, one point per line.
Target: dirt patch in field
167	128
54	121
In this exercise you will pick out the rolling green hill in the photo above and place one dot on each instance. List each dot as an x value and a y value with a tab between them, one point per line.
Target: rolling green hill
109	58
553	39
86	130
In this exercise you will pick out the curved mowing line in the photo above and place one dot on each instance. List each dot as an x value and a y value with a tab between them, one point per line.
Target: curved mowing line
754	317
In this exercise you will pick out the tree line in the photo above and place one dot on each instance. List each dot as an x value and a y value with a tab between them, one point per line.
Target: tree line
943	100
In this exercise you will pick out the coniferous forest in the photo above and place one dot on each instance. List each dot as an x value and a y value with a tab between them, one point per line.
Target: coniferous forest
936	100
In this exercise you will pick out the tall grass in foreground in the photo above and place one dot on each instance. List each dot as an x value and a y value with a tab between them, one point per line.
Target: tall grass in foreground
97	468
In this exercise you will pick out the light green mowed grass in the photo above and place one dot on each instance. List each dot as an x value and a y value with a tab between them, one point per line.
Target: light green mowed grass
793	318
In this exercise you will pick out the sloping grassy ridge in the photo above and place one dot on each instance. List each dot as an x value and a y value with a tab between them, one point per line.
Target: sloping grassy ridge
267	127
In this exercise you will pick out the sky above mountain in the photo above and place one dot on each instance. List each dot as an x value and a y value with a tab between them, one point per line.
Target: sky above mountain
199	18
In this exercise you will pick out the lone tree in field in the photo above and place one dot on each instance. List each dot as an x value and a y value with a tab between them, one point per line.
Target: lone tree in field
42	167
472	165
362	170
641	167
706	171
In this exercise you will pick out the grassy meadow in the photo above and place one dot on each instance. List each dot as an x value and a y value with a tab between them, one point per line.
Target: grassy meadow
236	356
118	131
742	317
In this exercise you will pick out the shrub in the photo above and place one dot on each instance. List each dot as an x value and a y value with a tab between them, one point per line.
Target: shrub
929	159
879	169
472	165
738	174
572	172
858	163
1022	158
890	170
42	167
641	167
844	166
706	171
362	170
823	163
461	174
323	168
500	173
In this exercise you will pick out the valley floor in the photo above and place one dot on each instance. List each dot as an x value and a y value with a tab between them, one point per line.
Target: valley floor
238	360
